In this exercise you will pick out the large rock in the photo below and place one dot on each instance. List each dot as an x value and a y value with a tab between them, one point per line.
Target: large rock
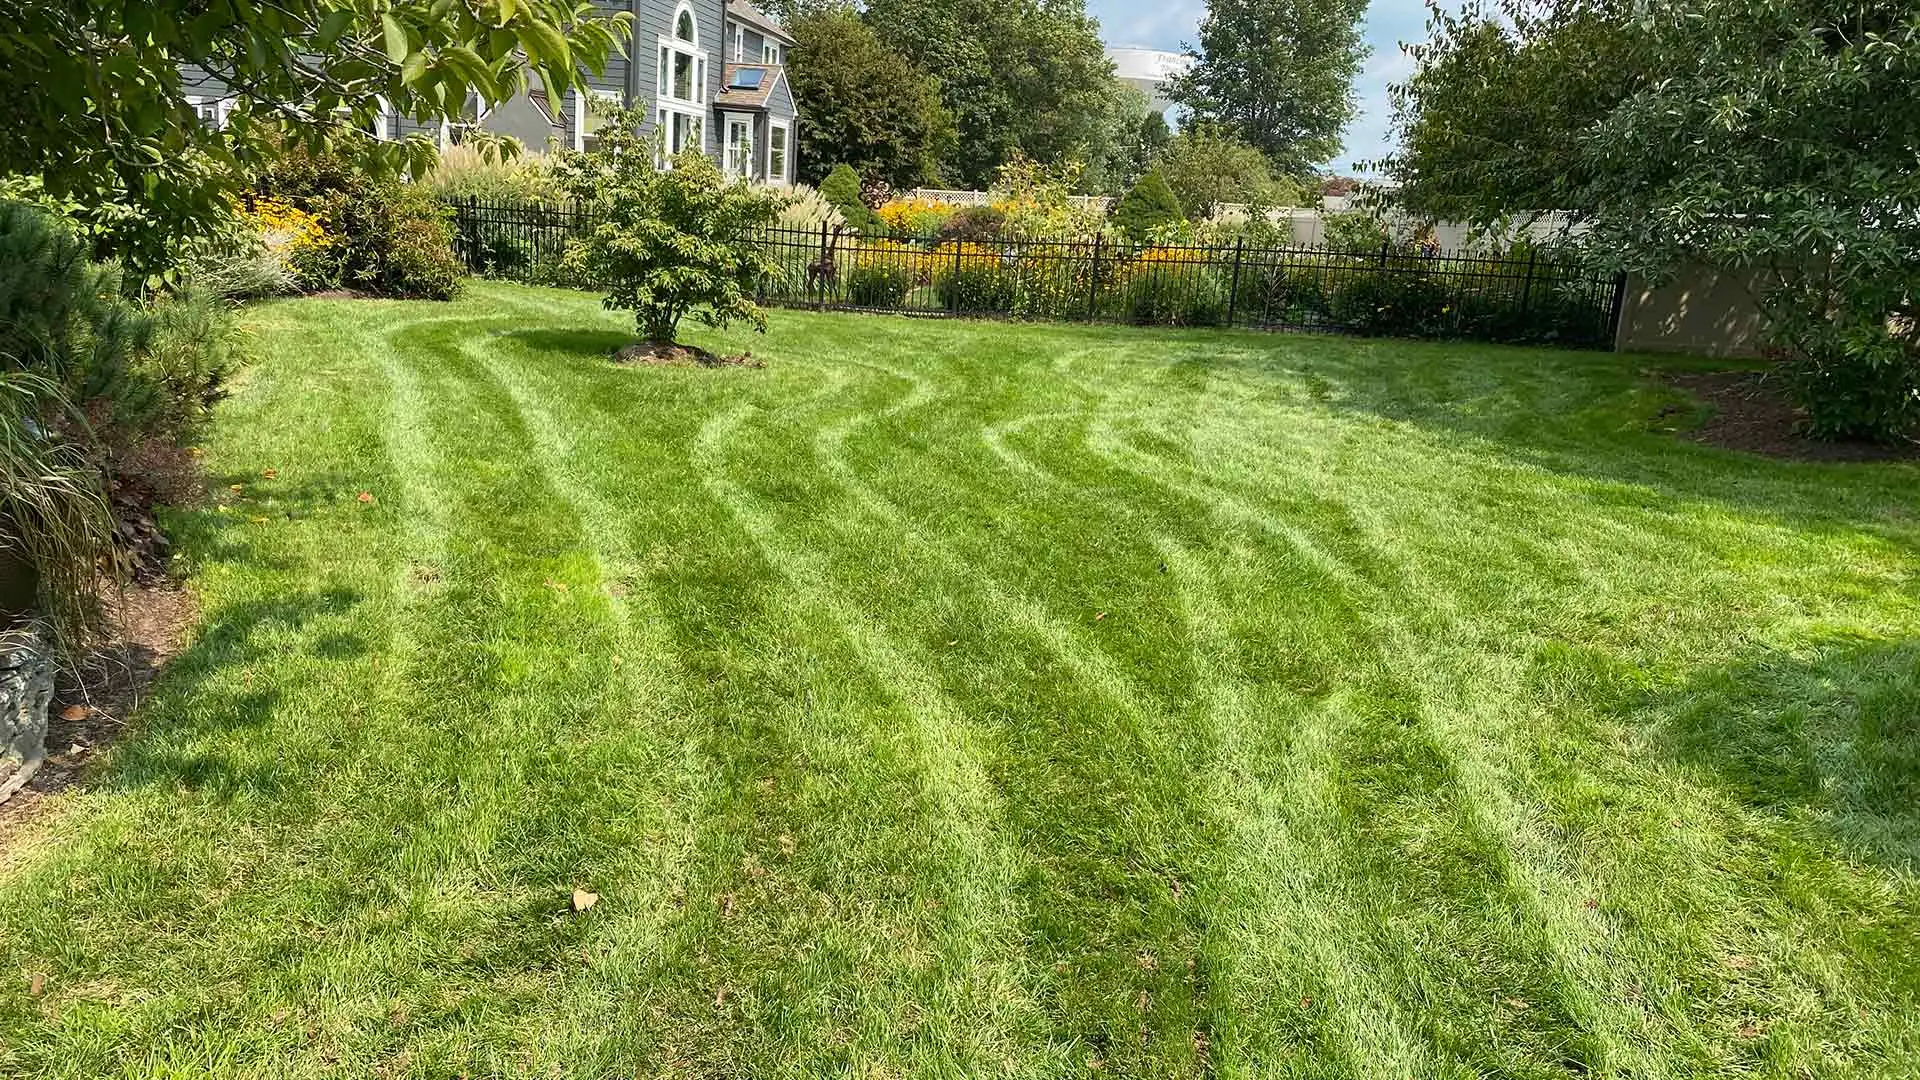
26	689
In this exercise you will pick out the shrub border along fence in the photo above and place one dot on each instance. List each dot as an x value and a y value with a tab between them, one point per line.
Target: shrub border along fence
1390	292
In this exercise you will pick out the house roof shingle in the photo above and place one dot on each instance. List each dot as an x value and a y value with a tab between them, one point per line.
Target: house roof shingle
744	11
736	97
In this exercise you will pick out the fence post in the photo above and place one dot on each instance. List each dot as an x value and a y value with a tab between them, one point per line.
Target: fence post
1383	253
1093	282
820	301
1233	293
953	283
1526	289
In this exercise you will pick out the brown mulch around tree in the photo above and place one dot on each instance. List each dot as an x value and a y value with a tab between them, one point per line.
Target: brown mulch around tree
641	354
91	708
1752	413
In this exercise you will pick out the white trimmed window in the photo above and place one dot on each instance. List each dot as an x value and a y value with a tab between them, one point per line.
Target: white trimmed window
769	53
779	152
212	112
739	43
739	163
591	111
681	92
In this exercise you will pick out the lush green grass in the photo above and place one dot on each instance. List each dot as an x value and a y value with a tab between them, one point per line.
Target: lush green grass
979	700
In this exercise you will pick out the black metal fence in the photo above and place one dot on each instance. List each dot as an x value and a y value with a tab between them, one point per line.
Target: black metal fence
1394	291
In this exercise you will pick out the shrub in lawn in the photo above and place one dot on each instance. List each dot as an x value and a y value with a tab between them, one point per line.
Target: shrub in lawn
1355	232
667	243
1149	205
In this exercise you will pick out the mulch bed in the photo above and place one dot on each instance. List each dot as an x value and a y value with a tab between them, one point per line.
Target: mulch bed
644	354
1753	413
91	707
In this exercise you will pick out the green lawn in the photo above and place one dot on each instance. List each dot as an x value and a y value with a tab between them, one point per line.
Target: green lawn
964	699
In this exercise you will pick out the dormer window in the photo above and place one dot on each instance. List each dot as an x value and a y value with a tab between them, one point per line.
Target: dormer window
769	53
739	43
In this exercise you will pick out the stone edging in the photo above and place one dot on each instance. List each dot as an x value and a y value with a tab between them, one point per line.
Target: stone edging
26	690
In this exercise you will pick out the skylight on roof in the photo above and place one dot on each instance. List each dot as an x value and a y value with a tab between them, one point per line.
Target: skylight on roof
747	78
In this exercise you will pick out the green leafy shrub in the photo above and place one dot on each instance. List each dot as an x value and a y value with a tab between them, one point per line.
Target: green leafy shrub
1165	291
1857	378
667	243
1380	301
879	284
841	190
1359	233
974	225
979	283
1149	205
386	237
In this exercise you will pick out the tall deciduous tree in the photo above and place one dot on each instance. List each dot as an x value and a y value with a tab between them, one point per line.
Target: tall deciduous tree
97	108
864	105
1017	75
1278	75
1779	137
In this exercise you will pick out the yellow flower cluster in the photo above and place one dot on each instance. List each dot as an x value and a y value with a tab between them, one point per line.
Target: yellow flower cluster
913	216
285	227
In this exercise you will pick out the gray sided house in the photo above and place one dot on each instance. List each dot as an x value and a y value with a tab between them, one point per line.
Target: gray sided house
708	75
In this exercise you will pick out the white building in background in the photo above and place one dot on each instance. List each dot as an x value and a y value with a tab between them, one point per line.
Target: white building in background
1149	71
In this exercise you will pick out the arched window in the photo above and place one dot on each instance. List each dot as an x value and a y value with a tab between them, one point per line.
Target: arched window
681	91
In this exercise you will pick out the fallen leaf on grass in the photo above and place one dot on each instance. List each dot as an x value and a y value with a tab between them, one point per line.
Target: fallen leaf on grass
73	712
1751	1031
236	488
720	997
582	899
1738	962
270	474
258	520
557	586
365	497
1100	616
37	985
1515	1003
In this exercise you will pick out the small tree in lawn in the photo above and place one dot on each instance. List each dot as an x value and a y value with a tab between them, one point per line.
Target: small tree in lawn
670	242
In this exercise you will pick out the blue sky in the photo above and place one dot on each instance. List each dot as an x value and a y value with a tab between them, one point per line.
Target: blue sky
1168	24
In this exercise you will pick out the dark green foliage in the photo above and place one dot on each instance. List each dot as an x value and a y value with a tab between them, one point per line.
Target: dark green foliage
979	287
841	189
1399	302
390	239
1017	75
1148	206
1772	139
1176	296
879	284
667	243
1277	75
62	318
863	104
974	224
